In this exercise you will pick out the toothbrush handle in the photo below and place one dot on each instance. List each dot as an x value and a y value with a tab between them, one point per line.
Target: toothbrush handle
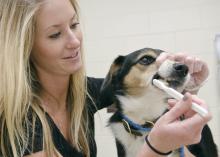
174	93
203	112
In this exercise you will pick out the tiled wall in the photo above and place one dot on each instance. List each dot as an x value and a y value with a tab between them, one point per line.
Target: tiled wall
113	27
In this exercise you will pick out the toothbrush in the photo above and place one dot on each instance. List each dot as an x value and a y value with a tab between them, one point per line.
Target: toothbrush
172	92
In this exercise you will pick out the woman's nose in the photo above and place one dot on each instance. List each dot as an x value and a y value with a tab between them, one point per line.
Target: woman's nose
73	40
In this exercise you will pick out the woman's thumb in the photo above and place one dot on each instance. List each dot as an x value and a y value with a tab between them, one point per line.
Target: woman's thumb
179	108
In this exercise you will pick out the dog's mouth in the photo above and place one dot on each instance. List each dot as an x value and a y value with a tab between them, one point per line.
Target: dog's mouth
173	82
172	74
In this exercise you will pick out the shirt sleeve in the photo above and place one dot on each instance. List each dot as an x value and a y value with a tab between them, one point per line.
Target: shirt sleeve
98	101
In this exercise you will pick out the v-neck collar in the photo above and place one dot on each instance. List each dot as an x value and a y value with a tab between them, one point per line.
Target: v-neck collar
64	147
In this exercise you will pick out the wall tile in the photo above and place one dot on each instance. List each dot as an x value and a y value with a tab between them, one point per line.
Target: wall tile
175	20
210	15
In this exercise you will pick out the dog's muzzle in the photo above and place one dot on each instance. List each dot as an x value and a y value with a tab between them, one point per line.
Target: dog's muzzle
174	74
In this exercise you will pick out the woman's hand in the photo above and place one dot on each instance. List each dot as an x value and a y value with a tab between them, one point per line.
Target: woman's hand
170	133
198	69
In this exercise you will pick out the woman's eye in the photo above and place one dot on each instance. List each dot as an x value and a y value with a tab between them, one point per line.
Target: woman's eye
146	60
73	26
54	36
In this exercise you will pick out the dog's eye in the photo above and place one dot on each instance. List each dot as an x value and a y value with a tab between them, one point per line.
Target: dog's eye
146	60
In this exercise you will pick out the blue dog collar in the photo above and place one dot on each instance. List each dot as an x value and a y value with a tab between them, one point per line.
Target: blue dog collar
135	125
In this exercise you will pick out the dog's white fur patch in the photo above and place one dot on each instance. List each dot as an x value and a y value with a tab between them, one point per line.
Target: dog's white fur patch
130	143
166	68
141	109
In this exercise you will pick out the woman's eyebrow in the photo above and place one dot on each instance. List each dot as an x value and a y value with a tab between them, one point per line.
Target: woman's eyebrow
58	25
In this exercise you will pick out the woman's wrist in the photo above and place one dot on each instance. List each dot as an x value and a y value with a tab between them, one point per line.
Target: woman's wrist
157	142
146	151
155	149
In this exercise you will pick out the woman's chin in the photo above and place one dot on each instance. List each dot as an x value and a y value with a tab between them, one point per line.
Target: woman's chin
75	68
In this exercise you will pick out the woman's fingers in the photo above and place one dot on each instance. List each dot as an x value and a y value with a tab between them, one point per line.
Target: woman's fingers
171	103
193	127
189	61
180	57
198	65
161	58
179	109
189	113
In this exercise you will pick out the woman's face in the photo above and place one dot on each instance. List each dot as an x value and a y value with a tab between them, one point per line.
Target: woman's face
58	39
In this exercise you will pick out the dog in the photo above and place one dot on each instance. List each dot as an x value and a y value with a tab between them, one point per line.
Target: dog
128	85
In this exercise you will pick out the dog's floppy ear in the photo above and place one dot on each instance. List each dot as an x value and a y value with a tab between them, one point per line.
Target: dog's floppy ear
116	65
108	88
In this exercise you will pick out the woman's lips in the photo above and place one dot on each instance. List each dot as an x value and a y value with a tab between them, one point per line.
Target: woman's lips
72	56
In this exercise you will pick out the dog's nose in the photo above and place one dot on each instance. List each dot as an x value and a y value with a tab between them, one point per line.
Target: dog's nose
181	70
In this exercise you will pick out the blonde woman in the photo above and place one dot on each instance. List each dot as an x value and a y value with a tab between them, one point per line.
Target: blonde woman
45	108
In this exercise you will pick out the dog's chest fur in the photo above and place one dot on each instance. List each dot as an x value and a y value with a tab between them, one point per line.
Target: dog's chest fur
134	107
142	108
130	142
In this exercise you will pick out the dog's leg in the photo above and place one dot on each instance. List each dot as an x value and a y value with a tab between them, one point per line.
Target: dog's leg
120	149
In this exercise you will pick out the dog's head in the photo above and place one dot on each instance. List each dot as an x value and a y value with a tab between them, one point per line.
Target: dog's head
129	81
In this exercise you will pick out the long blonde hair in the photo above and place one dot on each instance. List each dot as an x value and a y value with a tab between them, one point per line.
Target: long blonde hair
19	86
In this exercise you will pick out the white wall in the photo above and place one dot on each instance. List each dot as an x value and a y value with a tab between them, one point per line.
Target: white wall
114	27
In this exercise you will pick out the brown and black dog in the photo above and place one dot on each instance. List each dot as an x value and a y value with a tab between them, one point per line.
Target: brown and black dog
139	103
